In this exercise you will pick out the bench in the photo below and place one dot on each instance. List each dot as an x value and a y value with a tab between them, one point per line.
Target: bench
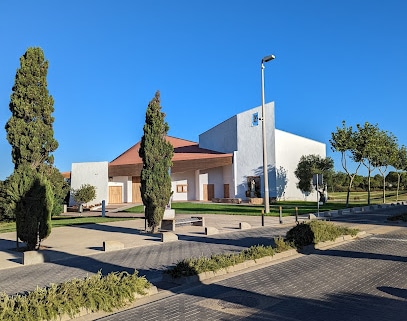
193	220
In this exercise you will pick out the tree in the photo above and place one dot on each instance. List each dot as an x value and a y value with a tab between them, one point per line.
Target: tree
340	182
3	202
84	194
30	127
60	188
33	199
156	153
29	130
386	152
400	165
310	165
344	141
365	149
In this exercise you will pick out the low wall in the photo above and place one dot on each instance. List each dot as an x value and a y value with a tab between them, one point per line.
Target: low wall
227	200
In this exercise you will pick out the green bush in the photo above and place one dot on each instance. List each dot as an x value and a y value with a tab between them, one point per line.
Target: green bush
94	293
84	194
282	245
194	266
314	232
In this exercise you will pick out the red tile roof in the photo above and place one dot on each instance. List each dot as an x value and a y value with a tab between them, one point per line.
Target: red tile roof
188	156
183	150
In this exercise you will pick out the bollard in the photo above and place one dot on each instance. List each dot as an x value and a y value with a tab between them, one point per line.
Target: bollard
262	217
296	215
281	215
103	208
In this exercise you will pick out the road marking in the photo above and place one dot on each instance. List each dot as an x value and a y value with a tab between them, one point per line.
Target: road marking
387	239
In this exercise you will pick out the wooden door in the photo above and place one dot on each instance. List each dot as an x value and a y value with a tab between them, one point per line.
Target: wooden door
208	192
226	193
115	195
135	187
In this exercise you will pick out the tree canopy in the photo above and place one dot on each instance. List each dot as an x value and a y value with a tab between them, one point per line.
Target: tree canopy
310	165
30	128
367	145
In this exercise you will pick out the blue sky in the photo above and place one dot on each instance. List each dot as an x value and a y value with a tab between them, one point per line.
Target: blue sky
335	60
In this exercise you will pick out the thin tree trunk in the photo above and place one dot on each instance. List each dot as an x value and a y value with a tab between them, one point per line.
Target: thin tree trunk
368	188
351	178
384	190
398	186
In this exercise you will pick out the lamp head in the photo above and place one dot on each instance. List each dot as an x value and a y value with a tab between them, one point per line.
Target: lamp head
268	58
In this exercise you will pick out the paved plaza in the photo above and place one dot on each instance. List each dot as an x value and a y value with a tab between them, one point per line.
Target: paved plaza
360	280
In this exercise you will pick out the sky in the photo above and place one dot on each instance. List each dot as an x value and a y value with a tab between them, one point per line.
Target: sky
335	60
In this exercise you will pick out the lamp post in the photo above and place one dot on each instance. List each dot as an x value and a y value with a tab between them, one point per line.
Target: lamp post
265	166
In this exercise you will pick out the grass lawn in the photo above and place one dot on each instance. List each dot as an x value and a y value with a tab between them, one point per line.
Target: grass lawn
376	197
58	221
336	201
288	208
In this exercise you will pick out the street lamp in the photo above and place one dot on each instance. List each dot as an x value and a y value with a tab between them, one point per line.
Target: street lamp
263	118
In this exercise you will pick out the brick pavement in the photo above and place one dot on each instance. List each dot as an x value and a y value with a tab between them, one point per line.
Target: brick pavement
152	259
148	260
361	280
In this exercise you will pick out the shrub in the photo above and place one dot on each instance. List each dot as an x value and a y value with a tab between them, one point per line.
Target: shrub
194	266
282	245
315	231
94	293
84	194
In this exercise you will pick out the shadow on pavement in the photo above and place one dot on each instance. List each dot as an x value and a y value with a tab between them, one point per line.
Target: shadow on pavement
360	255
401	293
229	303
109	228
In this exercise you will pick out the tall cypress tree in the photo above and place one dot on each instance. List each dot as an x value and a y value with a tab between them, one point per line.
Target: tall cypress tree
29	130
31	136
156	153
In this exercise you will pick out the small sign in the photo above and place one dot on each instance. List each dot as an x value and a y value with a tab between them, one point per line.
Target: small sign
255	119
317	180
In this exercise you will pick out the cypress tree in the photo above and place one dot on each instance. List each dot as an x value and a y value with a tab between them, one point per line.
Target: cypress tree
33	198
156	153
30	127
29	130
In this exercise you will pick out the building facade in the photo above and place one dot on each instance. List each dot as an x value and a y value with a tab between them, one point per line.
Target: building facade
227	162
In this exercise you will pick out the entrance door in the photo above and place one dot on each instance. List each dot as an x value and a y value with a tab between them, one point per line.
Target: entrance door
115	195
208	192
226	193
135	187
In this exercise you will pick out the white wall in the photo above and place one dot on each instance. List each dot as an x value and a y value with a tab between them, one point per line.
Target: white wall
289	149
228	178
93	173
237	135
186	178
215	177
126	183
221	138
249	160
203	179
